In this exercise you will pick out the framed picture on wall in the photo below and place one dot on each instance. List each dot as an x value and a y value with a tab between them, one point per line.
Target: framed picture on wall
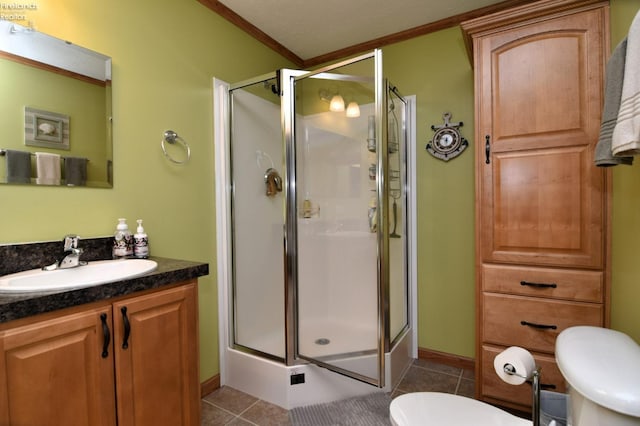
46	129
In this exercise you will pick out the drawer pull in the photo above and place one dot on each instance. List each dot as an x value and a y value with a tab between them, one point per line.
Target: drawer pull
538	285
540	326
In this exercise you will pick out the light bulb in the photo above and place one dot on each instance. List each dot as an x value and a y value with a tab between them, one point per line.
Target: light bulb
337	104
353	109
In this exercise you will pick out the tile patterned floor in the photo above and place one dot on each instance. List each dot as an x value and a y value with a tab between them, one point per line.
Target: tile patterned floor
228	406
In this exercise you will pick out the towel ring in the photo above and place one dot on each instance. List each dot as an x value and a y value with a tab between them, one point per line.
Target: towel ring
171	137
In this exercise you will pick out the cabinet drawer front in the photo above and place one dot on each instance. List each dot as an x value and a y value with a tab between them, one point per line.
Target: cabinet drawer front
543	282
494	387
531	322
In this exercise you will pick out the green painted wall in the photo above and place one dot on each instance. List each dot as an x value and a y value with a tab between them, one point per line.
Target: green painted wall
165	53
437	70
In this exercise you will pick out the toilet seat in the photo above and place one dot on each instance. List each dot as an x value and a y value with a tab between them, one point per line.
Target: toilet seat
435	408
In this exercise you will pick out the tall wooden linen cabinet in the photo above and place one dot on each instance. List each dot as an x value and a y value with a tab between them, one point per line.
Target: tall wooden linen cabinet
542	206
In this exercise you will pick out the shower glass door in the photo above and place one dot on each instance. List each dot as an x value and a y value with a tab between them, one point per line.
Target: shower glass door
257	161
337	217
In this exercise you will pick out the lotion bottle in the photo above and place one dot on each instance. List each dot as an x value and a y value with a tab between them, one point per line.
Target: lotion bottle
140	242
122	240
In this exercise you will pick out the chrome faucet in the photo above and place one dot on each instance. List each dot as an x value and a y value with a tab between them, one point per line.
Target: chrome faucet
71	256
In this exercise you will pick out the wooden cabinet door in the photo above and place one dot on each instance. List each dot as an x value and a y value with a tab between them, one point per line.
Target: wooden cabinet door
155	340
53	372
539	96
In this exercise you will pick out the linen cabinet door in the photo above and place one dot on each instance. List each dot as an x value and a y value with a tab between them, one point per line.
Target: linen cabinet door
156	344
58	372
539	92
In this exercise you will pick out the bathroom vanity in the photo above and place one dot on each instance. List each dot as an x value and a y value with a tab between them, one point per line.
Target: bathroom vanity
121	353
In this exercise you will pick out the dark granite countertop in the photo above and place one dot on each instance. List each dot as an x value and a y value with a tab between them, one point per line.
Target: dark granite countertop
16	306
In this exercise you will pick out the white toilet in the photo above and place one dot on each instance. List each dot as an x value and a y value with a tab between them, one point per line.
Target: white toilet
602	370
444	409
601	367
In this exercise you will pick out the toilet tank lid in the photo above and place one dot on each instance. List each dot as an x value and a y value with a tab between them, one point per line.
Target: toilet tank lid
603	365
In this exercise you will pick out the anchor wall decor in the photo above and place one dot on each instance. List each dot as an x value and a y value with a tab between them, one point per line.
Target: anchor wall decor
447	142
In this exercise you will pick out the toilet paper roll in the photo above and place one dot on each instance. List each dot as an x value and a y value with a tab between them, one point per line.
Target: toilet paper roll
521	362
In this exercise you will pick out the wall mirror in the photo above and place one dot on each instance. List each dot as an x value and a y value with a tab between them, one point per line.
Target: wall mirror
55	111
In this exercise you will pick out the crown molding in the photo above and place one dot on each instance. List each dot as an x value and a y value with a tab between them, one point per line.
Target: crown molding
231	16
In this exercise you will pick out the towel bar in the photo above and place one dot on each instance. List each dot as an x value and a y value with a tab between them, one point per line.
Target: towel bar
3	152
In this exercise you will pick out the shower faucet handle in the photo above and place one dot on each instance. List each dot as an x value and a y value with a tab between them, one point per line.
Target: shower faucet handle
273	182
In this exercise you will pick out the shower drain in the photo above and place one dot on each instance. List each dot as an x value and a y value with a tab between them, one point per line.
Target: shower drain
322	341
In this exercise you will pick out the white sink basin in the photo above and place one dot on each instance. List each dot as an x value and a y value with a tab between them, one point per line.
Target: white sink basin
94	273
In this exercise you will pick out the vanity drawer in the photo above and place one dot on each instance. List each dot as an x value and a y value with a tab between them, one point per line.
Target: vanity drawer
555	283
531	322
494	387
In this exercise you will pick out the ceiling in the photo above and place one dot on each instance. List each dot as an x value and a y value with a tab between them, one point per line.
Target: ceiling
308	31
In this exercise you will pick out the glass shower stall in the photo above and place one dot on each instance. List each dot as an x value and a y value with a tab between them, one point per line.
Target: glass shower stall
313	226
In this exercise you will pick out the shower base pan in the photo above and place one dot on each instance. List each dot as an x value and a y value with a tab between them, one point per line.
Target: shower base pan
272	382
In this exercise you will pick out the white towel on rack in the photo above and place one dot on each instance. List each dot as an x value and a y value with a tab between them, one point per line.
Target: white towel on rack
626	134
48	168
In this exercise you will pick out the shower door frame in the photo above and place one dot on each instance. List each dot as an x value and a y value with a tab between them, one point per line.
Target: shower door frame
288	78
231	222
224	197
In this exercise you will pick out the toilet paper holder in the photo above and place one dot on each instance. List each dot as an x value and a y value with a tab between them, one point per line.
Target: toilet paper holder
535	379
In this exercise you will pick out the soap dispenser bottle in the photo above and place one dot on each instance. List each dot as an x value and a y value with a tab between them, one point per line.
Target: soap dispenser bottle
122	240
140	242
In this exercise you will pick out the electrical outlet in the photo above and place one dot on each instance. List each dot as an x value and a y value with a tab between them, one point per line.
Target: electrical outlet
296	379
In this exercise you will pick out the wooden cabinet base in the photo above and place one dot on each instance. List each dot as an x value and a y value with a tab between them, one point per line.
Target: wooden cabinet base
93	367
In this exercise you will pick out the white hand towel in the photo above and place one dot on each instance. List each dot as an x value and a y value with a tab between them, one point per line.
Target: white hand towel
48	168
626	134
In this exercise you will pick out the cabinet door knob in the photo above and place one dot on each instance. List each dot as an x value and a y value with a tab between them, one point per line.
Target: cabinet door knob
127	328
106	335
487	149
